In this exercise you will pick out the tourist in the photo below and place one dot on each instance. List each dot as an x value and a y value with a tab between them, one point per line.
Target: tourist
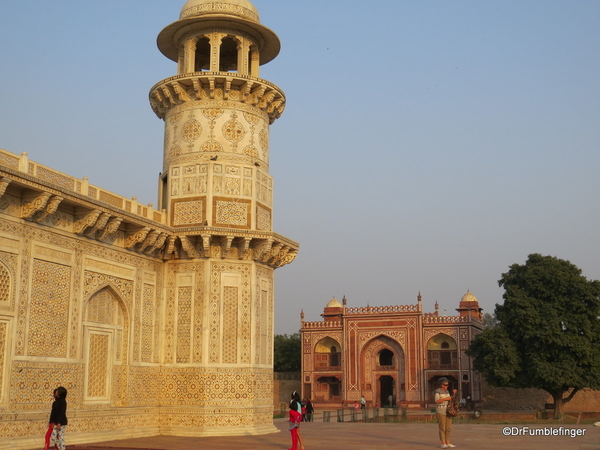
295	418
310	410
442	397
58	420
356	407
363	403
296	405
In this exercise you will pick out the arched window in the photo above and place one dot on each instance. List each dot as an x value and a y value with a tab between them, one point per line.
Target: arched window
202	57
386	357
442	352
229	55
327	355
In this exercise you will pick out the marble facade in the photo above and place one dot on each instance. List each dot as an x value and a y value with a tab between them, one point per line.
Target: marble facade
156	320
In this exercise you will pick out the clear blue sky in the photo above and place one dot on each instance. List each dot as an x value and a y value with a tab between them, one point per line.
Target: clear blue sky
425	146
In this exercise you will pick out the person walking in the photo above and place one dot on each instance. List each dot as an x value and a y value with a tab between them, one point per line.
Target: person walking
442	397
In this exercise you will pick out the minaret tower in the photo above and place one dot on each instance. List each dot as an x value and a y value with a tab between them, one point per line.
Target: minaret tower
216	189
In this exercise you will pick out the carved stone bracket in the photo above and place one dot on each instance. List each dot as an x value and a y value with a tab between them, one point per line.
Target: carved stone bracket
85	220
170	247
50	208
4	182
149	241
35	205
262	249
243	251
111	227
188	247
158	243
100	223
271	254
287	259
136	237
205	245
226	242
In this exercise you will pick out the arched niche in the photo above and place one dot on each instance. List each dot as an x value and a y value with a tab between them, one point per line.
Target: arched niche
105	347
327	354
442	352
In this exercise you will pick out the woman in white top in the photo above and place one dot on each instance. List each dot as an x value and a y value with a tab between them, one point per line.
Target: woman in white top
442	397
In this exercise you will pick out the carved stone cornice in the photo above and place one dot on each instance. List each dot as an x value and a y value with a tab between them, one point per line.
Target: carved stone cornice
204	86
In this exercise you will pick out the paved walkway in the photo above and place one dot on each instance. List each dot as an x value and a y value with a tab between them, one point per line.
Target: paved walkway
359	436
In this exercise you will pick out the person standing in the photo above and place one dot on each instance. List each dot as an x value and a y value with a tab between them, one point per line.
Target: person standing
58	419
310	410
442	397
295	418
363	403
296	405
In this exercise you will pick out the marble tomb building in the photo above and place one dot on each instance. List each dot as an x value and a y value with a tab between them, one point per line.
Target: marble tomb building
157	320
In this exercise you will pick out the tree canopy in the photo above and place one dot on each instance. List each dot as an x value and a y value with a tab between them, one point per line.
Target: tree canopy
287	353
547	332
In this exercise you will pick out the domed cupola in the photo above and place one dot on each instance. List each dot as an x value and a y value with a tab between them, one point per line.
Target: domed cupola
219	36
469	306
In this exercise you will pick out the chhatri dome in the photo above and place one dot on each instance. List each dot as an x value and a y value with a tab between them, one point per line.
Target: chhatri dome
468	297
240	15
334	303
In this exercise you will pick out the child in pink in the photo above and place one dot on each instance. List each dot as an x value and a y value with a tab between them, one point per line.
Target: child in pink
295	419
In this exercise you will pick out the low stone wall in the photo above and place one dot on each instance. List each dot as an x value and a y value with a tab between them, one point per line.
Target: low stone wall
284	383
510	399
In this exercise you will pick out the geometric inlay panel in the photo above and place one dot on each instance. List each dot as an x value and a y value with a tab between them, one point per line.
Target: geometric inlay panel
49	309
188	213
98	360
5	285
184	323
3	356
230	324
233	213
263	218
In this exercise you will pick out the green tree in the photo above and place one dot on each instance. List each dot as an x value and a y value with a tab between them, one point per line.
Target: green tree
547	334
287	353
489	320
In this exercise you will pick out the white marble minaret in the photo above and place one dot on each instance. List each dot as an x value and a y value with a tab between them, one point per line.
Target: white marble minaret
216	189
